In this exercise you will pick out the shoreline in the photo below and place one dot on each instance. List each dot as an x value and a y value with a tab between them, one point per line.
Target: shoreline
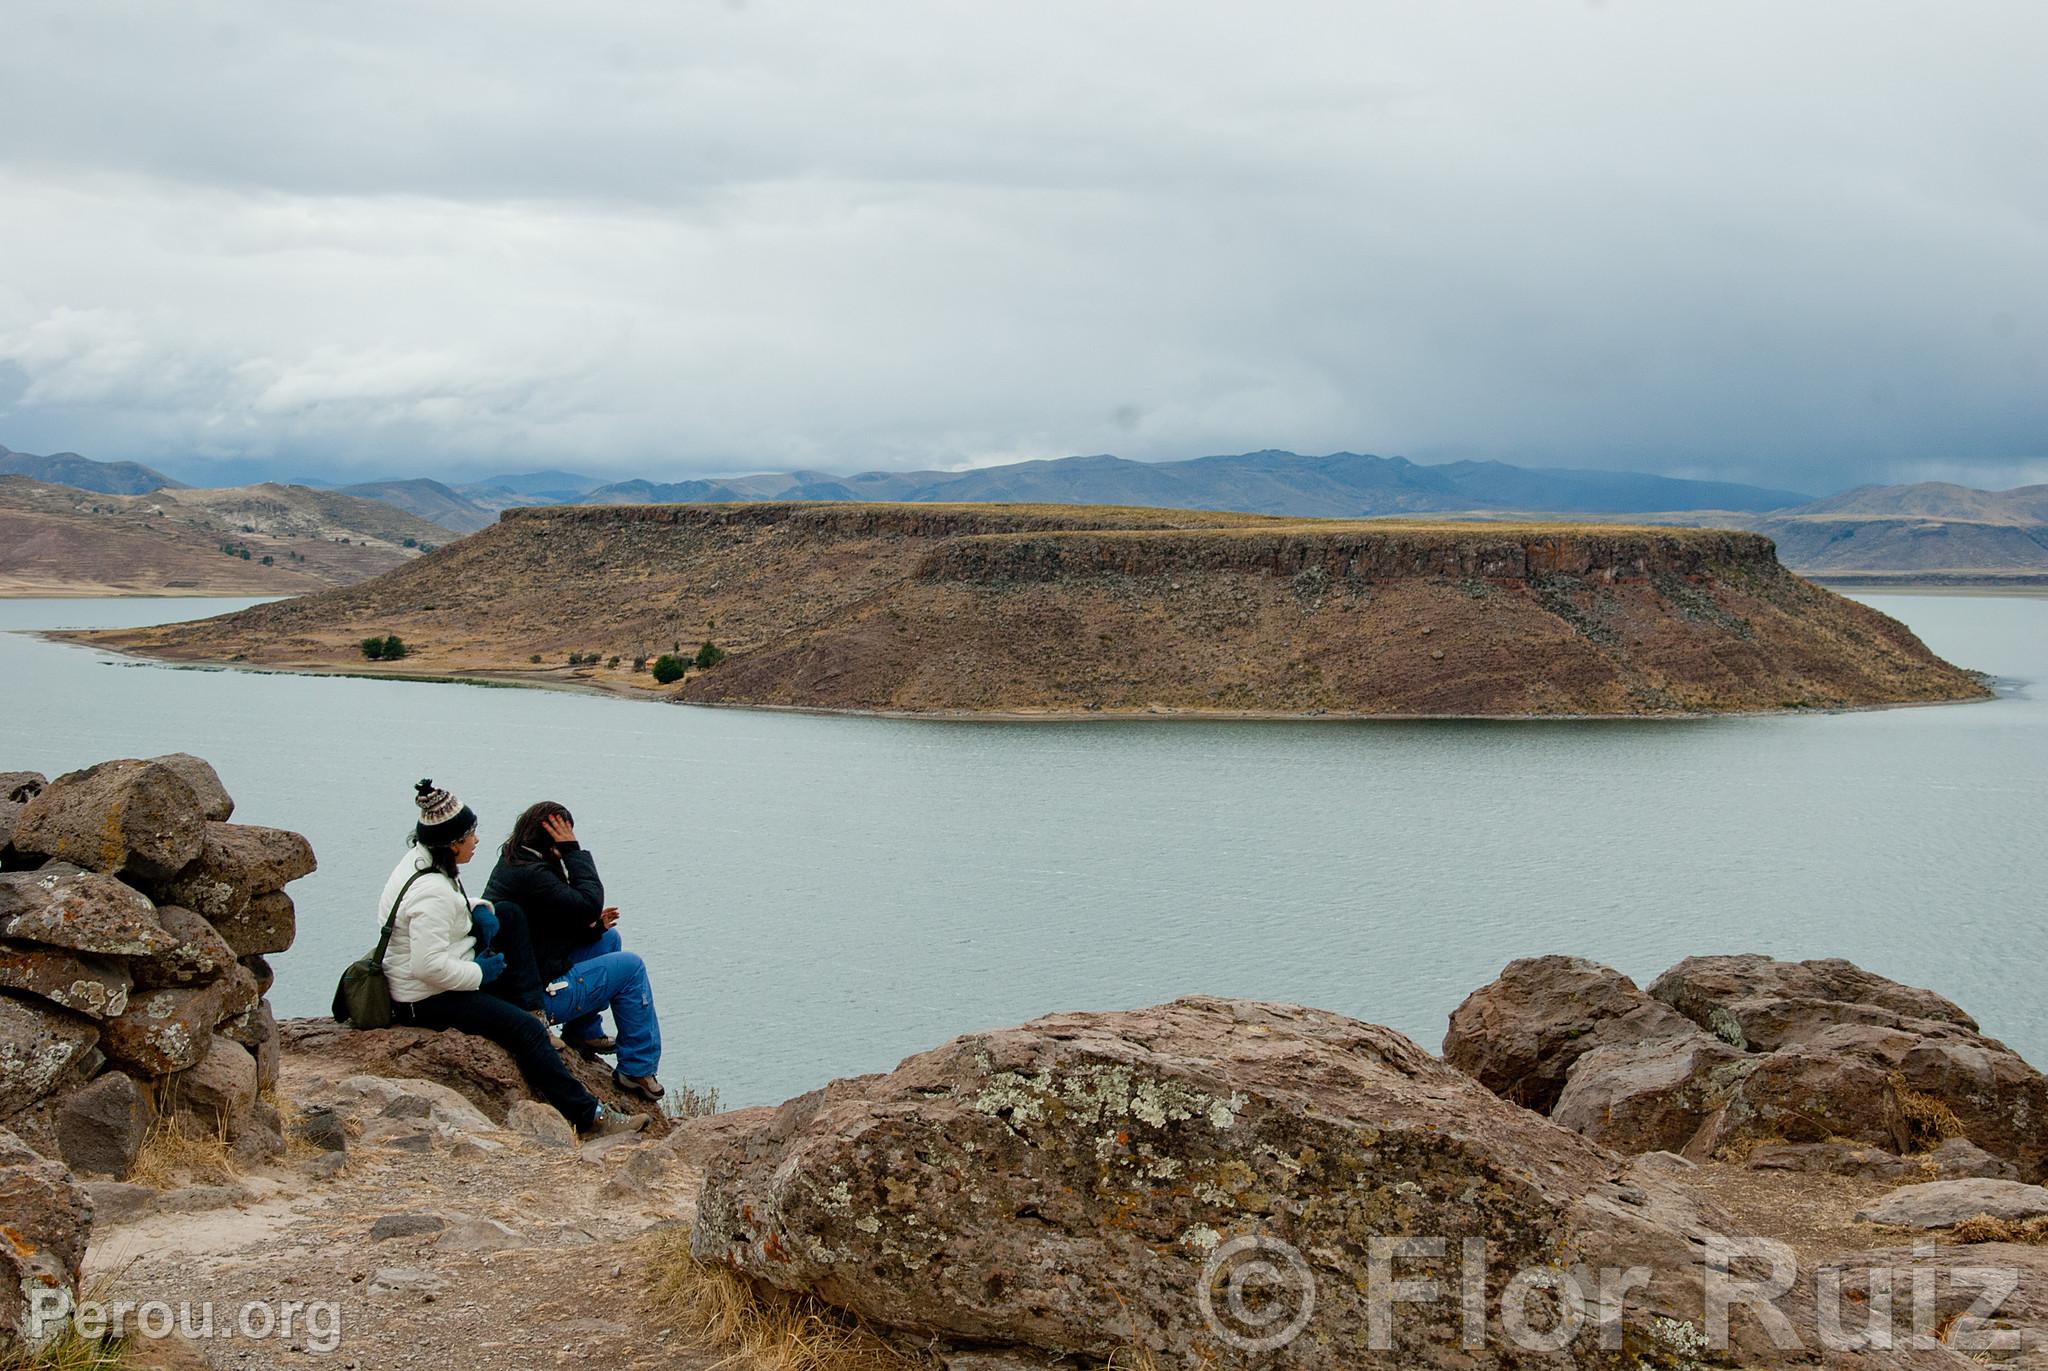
515	680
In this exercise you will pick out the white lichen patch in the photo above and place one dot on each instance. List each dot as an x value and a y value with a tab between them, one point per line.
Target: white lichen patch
839	1198
1093	1095
868	1223
1201	1238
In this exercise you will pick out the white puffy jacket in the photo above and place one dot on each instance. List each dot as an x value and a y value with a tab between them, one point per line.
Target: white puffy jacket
431	948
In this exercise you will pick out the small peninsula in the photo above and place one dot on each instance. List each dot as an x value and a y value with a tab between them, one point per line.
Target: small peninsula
1046	610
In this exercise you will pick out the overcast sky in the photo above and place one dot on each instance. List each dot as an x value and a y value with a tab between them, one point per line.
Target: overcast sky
1799	243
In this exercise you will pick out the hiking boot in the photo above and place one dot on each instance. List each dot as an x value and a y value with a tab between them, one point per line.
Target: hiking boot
611	1121
591	1047
646	1087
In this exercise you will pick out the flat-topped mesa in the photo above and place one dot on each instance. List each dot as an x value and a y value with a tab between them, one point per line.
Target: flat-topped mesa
1348	551
1051	610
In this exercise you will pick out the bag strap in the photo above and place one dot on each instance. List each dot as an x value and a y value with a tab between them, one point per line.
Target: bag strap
384	940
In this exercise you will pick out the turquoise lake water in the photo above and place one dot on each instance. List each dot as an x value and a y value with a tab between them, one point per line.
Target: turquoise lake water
820	896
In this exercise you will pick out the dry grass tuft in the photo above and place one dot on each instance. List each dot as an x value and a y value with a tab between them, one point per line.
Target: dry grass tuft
1920	1122
1985	1228
171	1156
755	1327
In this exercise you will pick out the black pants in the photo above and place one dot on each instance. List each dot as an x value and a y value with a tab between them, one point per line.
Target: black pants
520	983
515	1030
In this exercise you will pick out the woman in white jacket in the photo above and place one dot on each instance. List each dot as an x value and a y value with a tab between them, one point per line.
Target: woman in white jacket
439	960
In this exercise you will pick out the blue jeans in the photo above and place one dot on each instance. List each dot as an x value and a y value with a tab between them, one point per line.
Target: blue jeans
602	976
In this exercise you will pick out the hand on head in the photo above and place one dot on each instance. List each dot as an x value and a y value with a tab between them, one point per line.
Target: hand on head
558	827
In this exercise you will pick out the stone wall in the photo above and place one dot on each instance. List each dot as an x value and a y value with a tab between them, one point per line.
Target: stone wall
135	921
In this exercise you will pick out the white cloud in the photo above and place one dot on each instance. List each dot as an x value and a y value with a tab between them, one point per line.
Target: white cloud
1799	244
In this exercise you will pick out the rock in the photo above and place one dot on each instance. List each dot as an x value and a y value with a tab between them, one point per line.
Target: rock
19	787
256	1142
1944	1204
164	1031
406	1226
478	1069
39	1044
415	1099
128	818
323	1127
399	1136
47	1220
239	998
259	967
1708	989
1955	1281
540	1123
102	1125
1519	1035
1835	1159
695	1141
1653	1094
91	986
201	954
10	815
236	862
117	1202
470	1147
326	1166
214	1096
467	1233
1961	1159
1898	1089
214	801
269	1055
64	906
597	1149
389	1279
267	923
1063	1187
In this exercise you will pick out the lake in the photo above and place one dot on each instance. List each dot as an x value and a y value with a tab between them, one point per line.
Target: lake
819	896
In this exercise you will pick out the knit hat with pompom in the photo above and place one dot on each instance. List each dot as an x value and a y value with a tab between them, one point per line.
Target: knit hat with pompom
443	818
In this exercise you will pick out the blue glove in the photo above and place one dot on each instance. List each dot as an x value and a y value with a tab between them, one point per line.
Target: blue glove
483	921
492	964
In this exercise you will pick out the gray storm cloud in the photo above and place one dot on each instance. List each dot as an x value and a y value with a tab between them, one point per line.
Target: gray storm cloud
1805	245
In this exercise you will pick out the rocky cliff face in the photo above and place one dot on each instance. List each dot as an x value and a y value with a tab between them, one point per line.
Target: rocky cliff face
1040	609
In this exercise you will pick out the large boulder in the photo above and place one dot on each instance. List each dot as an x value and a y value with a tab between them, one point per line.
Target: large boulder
1519	1035
64	906
201	954
130	818
235	863
45	1218
476	1068
92	986
1910	1293
1740	1052
102	1125
39	1045
1090	1184
267	923
214	801
164	1031
19	787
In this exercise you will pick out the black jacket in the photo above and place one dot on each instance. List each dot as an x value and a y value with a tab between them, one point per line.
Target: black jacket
563	902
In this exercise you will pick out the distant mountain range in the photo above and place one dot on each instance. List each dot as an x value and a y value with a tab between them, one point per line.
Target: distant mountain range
1338	485
1929	529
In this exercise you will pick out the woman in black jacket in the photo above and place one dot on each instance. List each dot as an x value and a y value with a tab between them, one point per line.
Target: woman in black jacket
580	962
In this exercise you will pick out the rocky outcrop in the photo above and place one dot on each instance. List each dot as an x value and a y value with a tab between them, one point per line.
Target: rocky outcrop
125	916
1944	1204
1734	1052
1082	1186
475	1068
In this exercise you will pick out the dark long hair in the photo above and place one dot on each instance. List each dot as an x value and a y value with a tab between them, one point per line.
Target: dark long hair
440	857
528	841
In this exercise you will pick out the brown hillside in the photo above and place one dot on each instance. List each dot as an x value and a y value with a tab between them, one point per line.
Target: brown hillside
58	540
1049	609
